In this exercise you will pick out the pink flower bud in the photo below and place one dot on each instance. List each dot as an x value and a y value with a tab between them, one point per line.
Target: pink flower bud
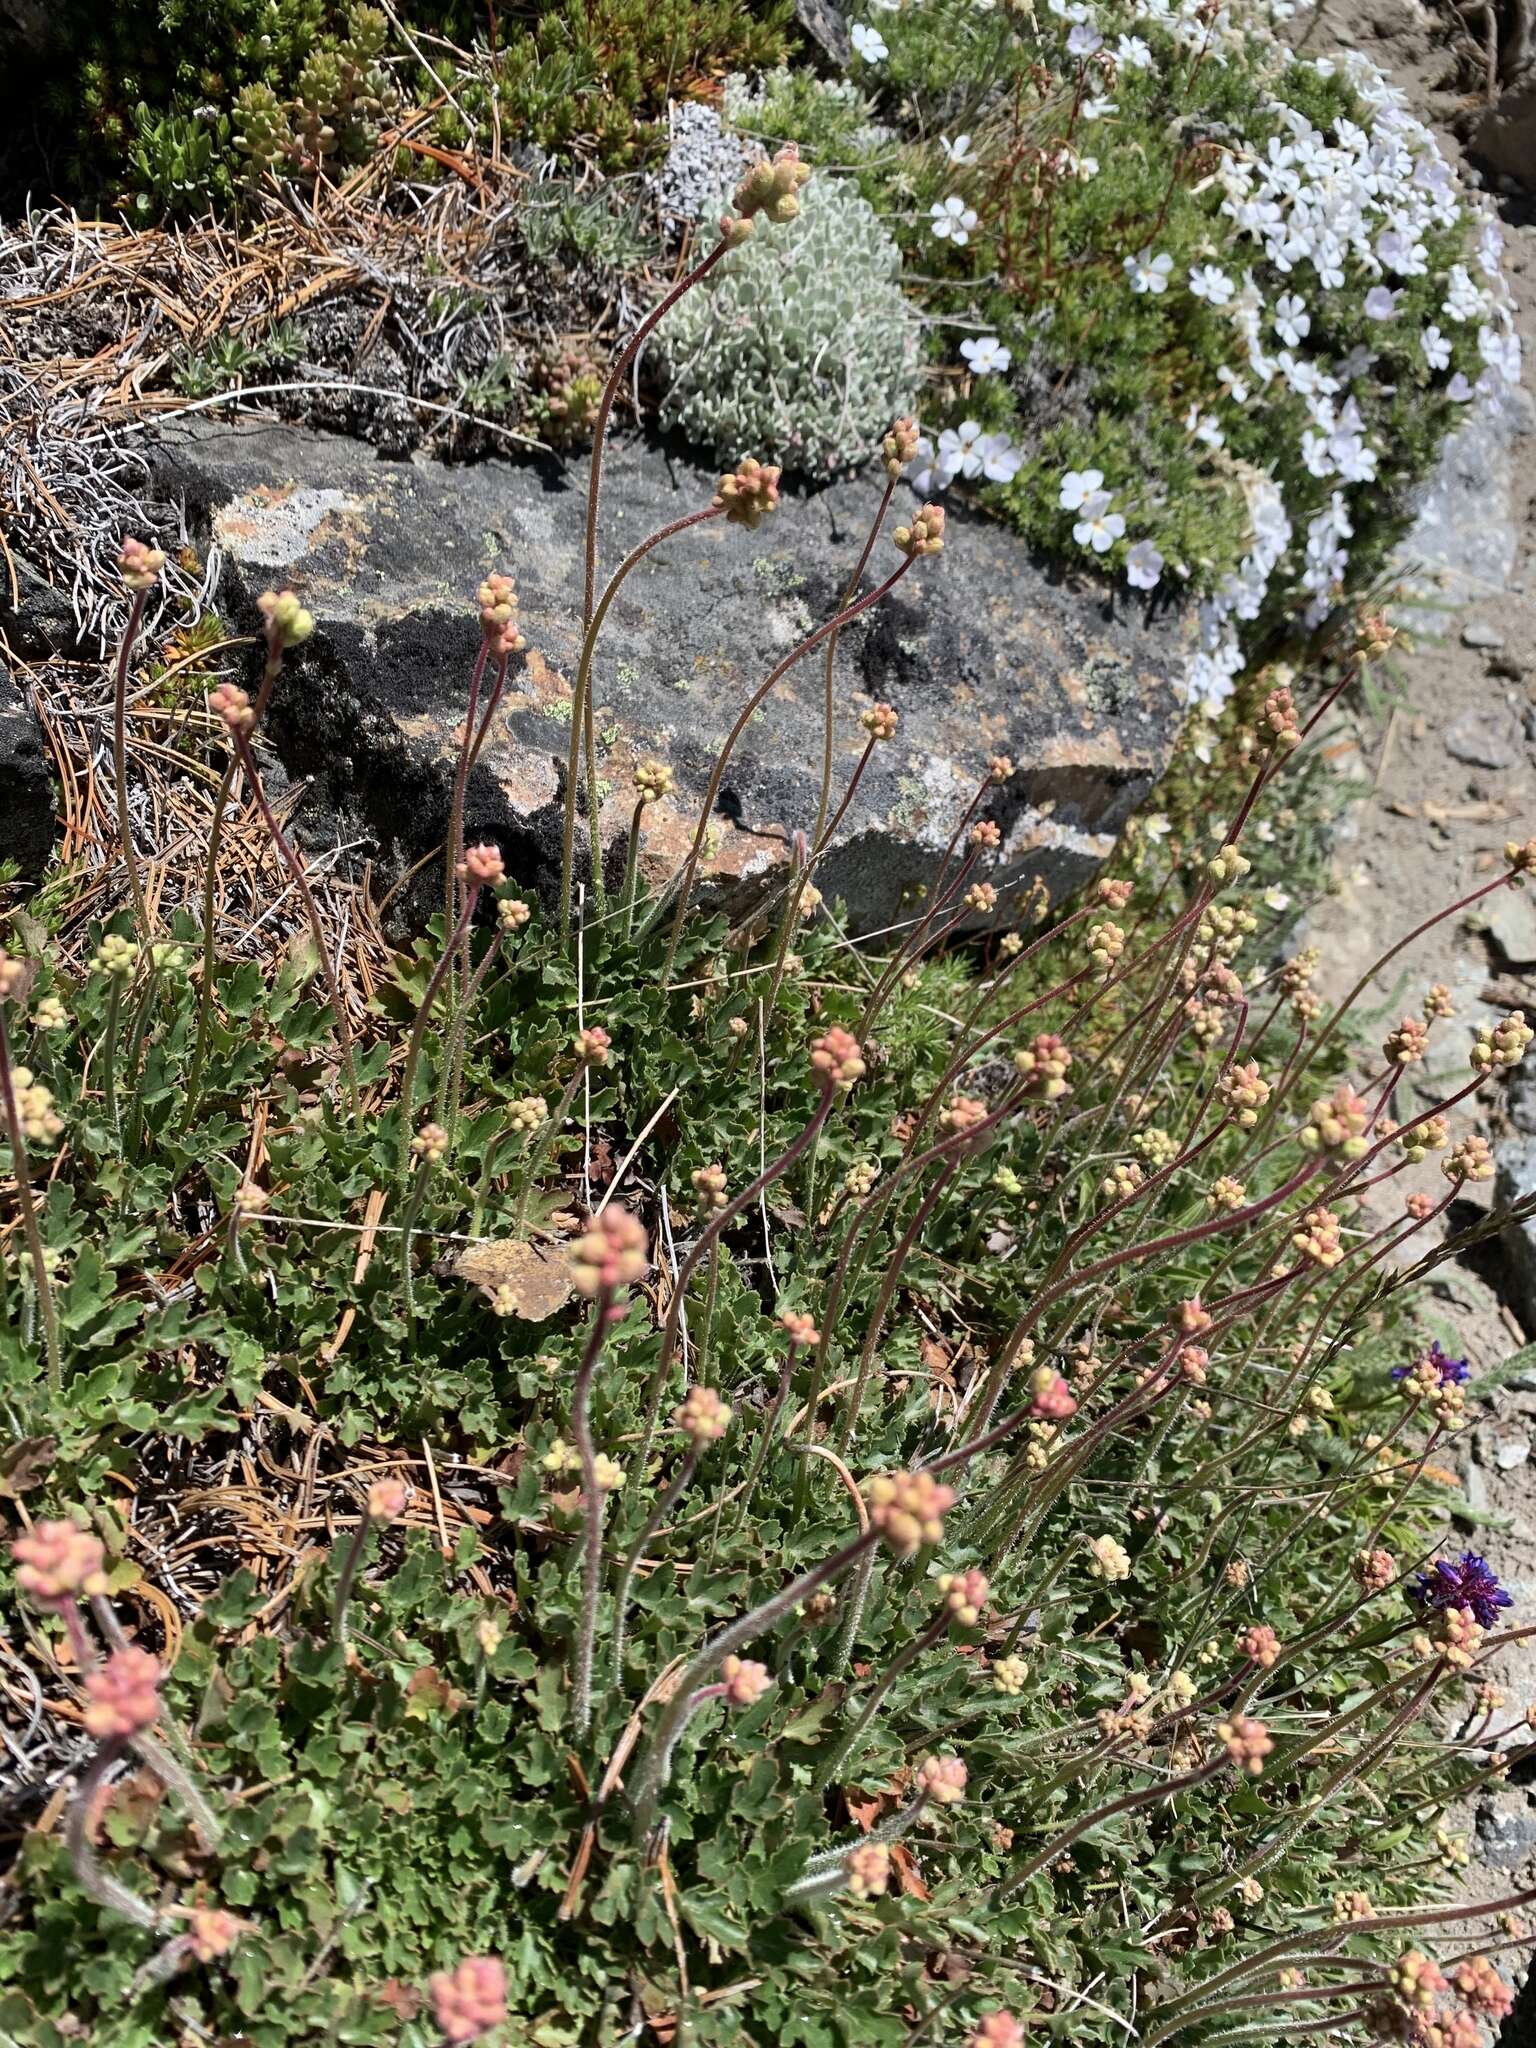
482	867
288	624
744	1682
388	1500
1049	1395
213	1933
838	1056
941	1780
612	1254
123	1695
138	564
56	1562
470	1999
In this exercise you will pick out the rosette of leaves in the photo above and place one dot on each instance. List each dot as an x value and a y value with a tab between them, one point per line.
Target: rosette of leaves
801	348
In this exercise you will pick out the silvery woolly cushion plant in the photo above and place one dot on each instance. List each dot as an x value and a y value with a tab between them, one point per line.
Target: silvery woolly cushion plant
802	347
922	1528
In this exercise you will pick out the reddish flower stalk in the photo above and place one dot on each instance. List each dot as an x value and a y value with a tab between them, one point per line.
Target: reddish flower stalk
21	1175
120	761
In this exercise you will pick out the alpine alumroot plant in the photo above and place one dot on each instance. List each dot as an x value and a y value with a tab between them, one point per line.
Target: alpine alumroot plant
644	1482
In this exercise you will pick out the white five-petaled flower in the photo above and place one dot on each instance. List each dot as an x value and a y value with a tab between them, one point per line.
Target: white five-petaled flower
1437	350
1078	486
953	220
1292	320
986	355
957	149
1209	283
1099	528
1083	40
1095	110
1133	53
1149	273
1380	303
1143	565
868	42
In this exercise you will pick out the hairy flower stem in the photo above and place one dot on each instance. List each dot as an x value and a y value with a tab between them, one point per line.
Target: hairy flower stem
655	1763
89	1875
346	1577
631	873
120	765
1148	1795
853	1615
109	1058
453	853
676	1488
581	693
539	1150
407	1244
312	913
419	1030
902	1661
766	1431
888	1285
594	1504
717	774
707	1239
271	669
21	1174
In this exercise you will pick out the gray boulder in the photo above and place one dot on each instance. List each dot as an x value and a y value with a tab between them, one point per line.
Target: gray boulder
1515	1182
992	648
26	788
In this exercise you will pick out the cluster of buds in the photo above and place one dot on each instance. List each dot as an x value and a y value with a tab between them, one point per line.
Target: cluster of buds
608	1473
116	956
1106	943
1319	1240
771	189
388	1500
1227	866
1279	720
965	1595
653	781
908	1509
527	1113
924	535
468	2000
1297	972
1260	1645
1423	1136
58	1563
941	1780
838	1057
799	1328
1226	1193
1481	1989
867	1869
611	1255
749	493
743	1683
709	1186
592	1046
498	616
986	834
139	565
703	1416
39	1120
1156	1146
430	1145
1043	1066
1417	1980
899	447
1194	1364
122	1696
482	867
1502	1044
1050	1397
1374	1570
1243	1092
1338	1123
1470	1159
1009	1676
287	622
1121	1181
1349	1906
998	2030
962	1113
211	1933
1520	859
1406	1042
880	721
1108	1560
232	707
1113	891
1247	1742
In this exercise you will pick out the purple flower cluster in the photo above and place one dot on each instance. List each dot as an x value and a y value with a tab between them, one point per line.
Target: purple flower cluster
1469	1583
1453	1372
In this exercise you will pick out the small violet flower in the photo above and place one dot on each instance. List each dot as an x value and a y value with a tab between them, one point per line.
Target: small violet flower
1470	1582
1143	566
1451	1372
